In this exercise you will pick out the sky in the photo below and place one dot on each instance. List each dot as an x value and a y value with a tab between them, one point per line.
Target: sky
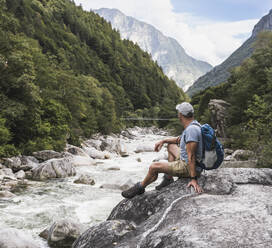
208	30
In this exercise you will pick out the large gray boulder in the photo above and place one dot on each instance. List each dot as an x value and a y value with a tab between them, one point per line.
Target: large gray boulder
63	233
46	155
13	238
106	234
18	163
54	168
85	179
234	211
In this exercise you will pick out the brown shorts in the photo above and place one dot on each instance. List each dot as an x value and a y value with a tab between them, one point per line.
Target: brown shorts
179	168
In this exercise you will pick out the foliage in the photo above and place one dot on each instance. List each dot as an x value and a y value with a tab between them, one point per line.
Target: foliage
249	91
65	74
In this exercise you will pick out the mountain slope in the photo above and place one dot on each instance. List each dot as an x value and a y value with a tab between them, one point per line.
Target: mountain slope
165	50
221	72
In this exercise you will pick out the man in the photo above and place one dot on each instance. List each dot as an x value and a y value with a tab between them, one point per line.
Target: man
182	160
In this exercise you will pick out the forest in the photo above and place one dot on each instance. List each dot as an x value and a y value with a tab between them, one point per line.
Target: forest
65	74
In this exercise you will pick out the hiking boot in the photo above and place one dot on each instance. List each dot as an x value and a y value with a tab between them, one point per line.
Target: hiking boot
165	182
137	189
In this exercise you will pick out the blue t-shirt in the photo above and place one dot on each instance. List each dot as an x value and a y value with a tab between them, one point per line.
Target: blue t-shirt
191	133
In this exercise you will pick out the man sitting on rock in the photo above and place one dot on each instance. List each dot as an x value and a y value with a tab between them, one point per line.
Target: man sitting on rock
183	153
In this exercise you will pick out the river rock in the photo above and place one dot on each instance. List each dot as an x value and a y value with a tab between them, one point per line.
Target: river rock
6	194
54	168
46	155
233	211
144	148
95	154
64	232
85	179
243	155
96	143
105	235
111	144
13	238
76	151
1	166
20	174
18	163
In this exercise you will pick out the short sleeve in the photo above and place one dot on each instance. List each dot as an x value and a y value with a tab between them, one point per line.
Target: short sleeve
192	134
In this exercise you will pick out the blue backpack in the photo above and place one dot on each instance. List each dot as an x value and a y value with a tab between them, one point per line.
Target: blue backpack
213	151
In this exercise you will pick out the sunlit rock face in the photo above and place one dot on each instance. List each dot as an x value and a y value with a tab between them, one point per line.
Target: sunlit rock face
169	54
234	211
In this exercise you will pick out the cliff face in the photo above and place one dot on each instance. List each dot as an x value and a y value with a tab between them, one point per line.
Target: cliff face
234	211
169	54
220	73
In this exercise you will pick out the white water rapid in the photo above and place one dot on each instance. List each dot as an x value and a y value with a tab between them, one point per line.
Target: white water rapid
37	207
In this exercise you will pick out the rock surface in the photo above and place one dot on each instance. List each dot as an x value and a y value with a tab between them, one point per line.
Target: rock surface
234	211
54	168
85	179
63	233
13	238
46	155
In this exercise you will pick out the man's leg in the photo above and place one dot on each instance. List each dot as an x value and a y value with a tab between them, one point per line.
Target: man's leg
152	175
173	154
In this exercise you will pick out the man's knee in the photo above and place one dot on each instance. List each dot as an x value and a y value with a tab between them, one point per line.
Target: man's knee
155	167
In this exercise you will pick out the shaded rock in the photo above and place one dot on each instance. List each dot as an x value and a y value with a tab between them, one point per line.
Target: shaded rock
228	151
144	148
14	238
113	230
46	155
76	151
178	217
20	174
85	179
6	194
64	232
139	160
45	233
243	155
218	109
54	168
229	158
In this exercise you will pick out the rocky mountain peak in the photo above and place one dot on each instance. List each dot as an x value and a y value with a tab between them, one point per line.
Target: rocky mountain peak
169	54
264	24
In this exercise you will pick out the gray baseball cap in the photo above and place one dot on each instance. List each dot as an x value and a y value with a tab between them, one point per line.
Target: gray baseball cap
185	108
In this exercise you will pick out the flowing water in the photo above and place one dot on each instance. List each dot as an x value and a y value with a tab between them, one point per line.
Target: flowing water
38	206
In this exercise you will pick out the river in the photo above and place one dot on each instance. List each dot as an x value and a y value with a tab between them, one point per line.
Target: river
38	206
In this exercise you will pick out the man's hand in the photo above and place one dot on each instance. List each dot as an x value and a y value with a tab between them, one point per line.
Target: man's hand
197	188
158	146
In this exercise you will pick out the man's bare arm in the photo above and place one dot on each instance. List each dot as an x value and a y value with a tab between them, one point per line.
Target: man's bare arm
191	149
174	140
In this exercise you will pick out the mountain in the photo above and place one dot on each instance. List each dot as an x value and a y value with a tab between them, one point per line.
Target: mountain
221	72
169	54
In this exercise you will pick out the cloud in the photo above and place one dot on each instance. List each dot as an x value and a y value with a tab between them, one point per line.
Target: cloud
201	38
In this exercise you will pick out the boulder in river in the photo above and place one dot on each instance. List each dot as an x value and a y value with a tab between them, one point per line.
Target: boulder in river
14	238
64	232
6	194
85	179
106	234
54	168
76	151
46	155
18	163
243	155
235	210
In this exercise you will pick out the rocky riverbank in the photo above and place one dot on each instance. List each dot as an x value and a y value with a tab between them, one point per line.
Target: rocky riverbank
60	195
